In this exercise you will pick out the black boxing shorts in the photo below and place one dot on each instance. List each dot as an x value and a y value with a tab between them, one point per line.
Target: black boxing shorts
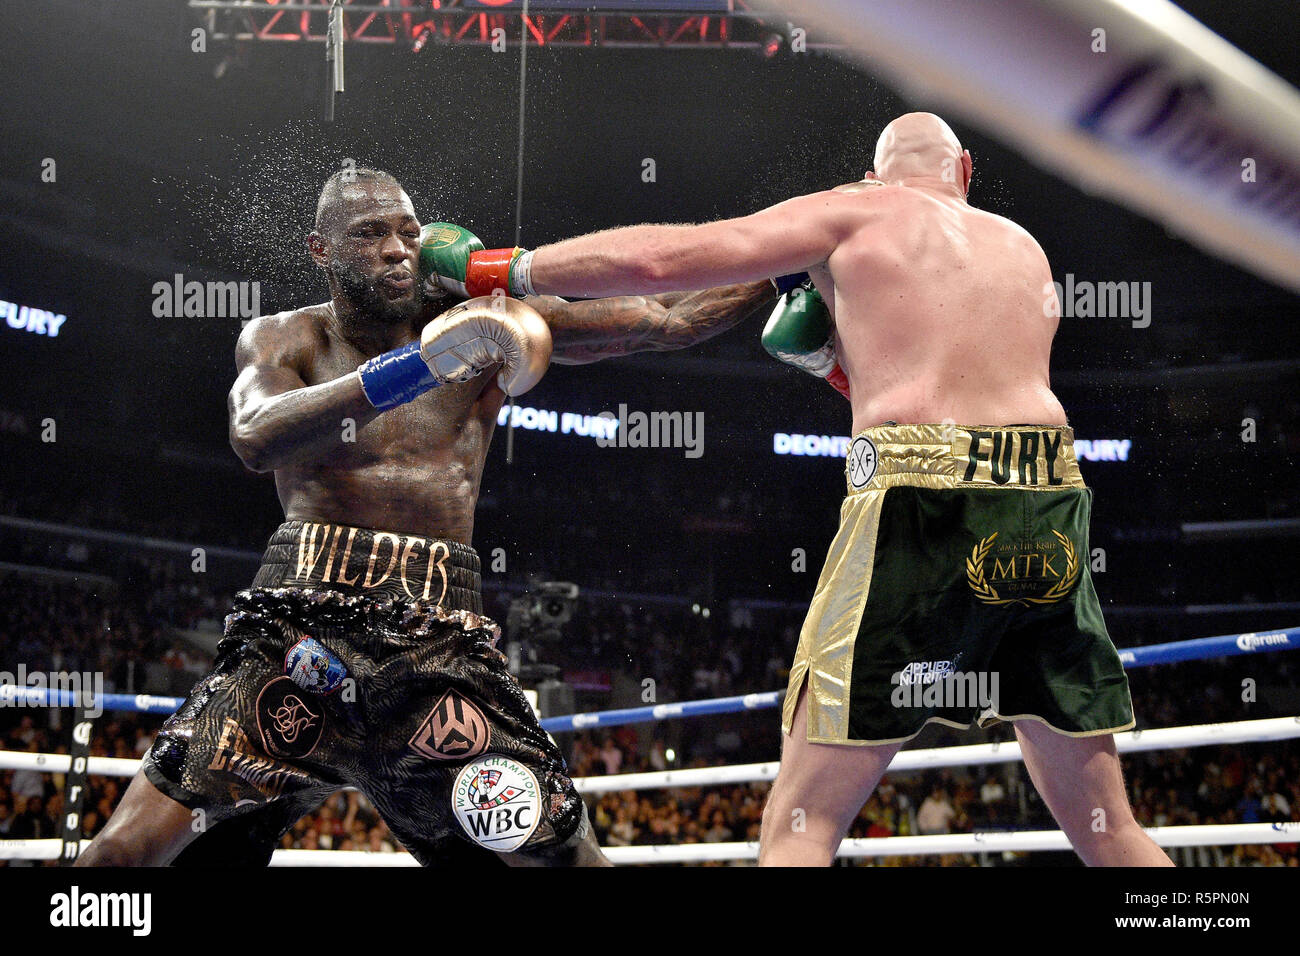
361	658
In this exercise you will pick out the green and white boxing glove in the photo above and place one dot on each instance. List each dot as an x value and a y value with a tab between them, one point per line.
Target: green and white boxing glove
800	332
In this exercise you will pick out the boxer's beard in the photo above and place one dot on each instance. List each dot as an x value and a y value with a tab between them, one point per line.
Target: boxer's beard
363	292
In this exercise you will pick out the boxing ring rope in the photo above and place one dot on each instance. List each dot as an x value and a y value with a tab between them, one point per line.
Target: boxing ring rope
1021	841
1137	741
1227	645
1133	741
974	755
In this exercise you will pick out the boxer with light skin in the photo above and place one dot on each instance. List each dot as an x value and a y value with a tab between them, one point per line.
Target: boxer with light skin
375	411
937	313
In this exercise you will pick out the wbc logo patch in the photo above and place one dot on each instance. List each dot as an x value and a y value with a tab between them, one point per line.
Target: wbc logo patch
498	802
454	730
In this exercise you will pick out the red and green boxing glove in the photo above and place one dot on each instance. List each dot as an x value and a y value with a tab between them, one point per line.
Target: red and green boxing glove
455	259
799	332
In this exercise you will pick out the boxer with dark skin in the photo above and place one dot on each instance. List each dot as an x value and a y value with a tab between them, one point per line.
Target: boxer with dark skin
417	466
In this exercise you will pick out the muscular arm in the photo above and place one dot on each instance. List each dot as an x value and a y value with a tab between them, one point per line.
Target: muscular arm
276	418
585	332
788	237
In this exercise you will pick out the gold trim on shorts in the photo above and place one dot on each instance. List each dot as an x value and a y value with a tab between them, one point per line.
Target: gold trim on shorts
825	652
922	456
940	456
983	721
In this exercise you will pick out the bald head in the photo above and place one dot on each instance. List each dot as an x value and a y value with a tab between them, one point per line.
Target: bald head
350	192
921	146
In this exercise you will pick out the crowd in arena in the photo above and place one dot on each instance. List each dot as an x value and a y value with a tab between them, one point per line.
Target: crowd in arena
1182	787
652	609
70	625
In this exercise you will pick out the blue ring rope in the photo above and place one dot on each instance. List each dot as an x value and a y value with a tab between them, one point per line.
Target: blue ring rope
1228	645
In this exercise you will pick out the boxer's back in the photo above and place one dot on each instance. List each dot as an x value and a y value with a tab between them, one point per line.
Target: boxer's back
939	313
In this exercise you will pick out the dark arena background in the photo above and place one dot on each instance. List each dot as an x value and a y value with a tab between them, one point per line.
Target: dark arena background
151	144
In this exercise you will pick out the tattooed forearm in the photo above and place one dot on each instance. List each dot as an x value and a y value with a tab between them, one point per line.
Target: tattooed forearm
603	328
702	315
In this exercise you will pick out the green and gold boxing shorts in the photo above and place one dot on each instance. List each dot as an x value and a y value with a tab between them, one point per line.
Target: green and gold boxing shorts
957	590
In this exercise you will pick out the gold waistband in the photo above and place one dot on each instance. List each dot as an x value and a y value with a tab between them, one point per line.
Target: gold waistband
1029	457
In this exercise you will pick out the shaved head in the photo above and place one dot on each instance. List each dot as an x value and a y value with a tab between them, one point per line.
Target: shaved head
349	191
921	146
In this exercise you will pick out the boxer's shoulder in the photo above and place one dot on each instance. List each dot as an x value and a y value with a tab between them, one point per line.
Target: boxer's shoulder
1007	232
862	186
309	323
871	199
296	331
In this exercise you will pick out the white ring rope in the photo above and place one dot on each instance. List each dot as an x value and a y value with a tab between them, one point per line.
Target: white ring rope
1022	841
1133	741
1245	731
